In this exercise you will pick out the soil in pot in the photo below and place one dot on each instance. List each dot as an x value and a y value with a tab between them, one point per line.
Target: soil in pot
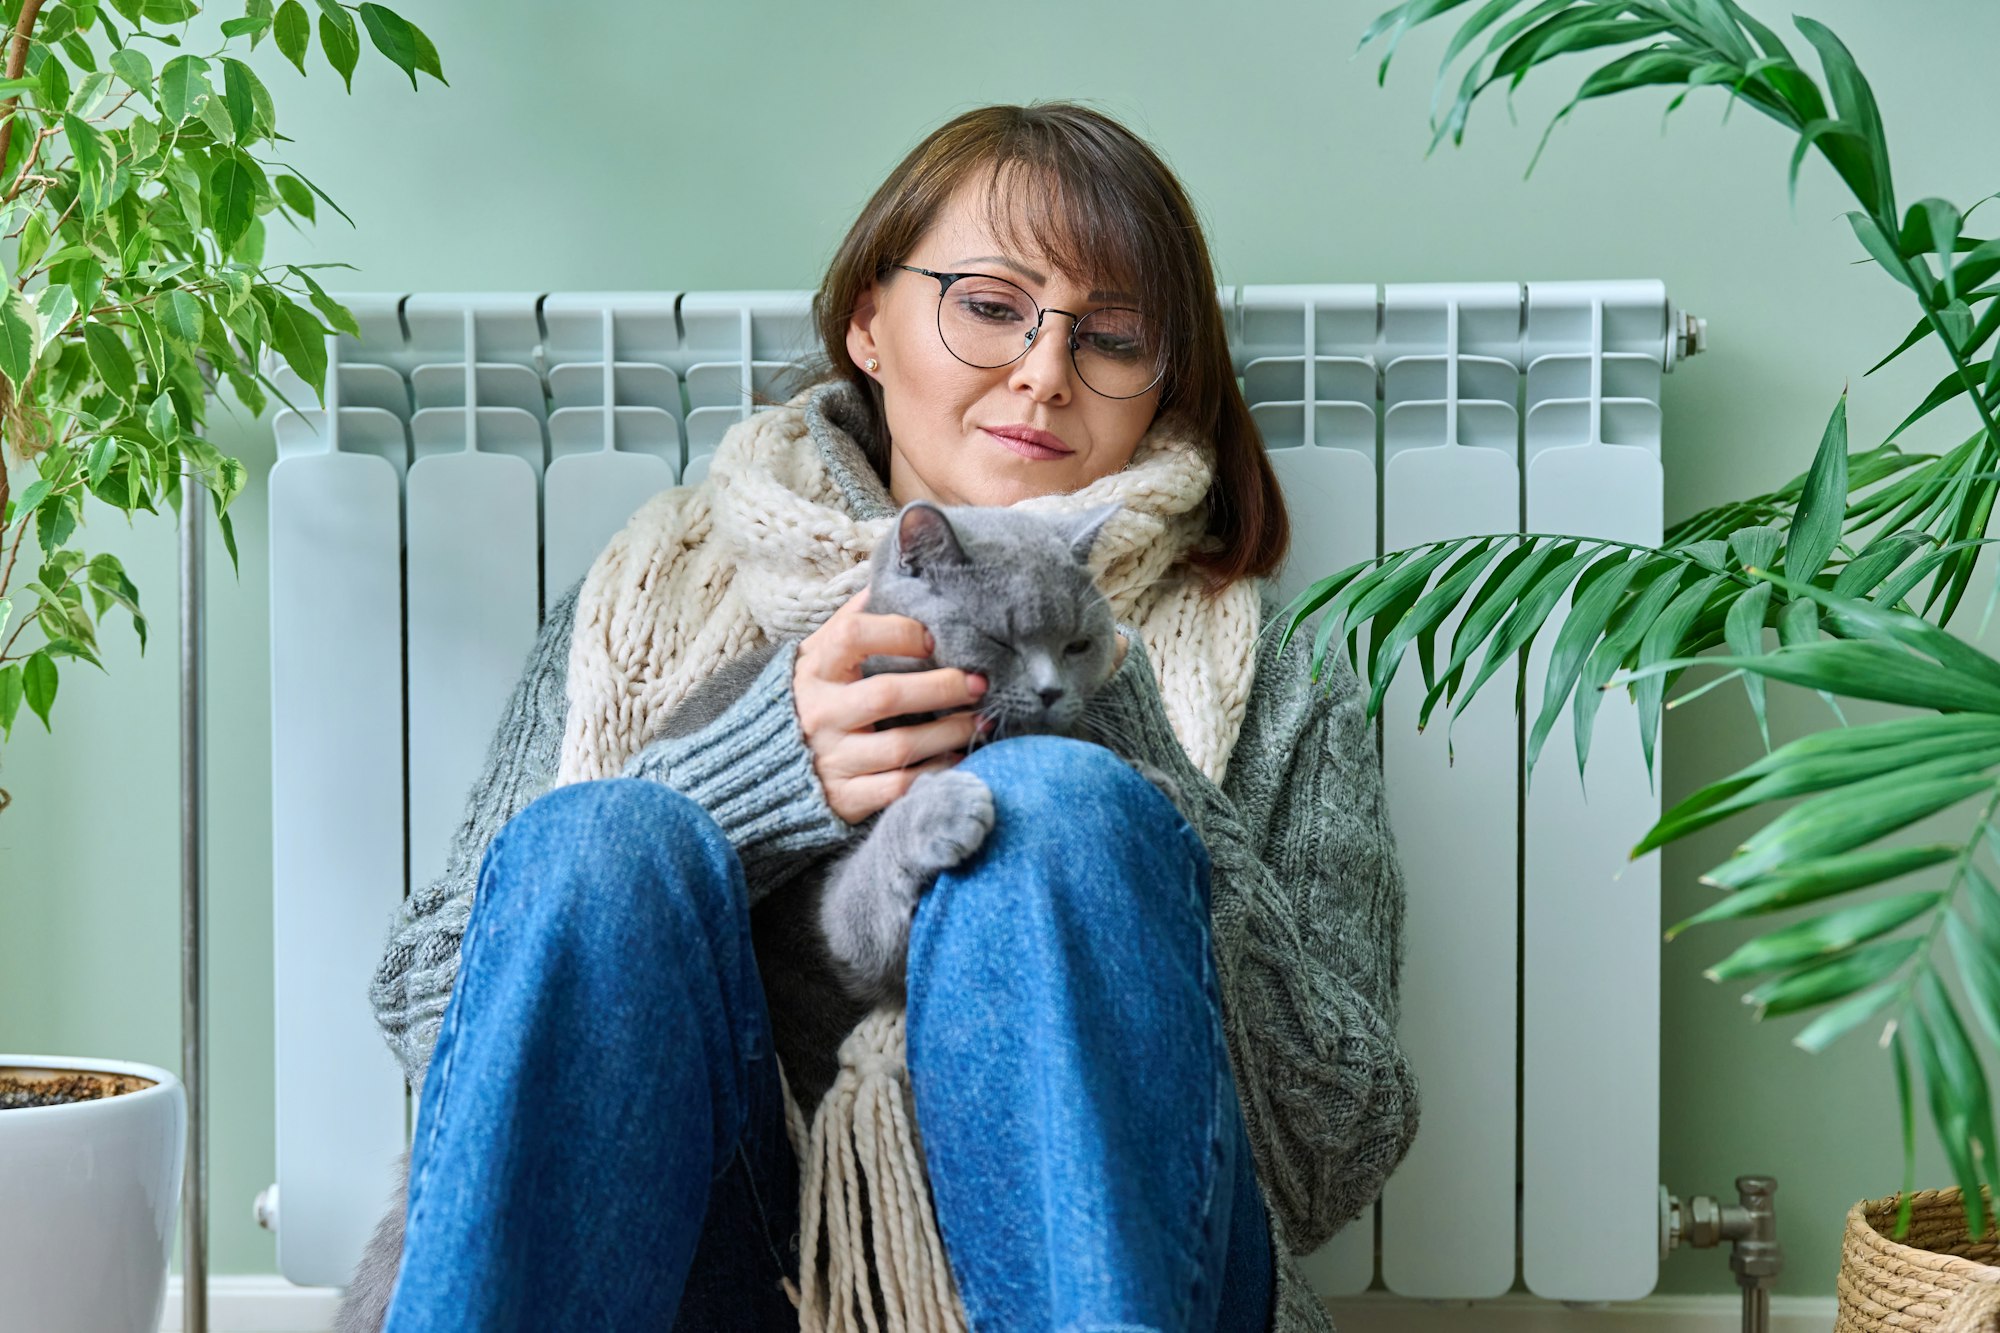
21	1088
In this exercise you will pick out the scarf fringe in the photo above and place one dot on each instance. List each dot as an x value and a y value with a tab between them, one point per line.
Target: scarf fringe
864	1137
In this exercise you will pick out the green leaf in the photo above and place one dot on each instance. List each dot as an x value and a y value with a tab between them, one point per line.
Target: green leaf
1823	502
1855	617
393	38
1588	613
55	84
1851	757
56	307
237	82
10	698
1528	615
1811	881
38	685
340	41
19	337
33	243
238	283
233	190
1757	547
130	64
427	56
1857	669
93	164
1966	1079
1823	935
1902	1063
1662	638
162	420
112	361
180	317
1843	1018
294	192
1503	585
183	83
297	337
1832	979
327	199
215	115
1979	967
1877	560
1743	630
1864	168
1983	900
1627	627
339	316
294	33
1843	819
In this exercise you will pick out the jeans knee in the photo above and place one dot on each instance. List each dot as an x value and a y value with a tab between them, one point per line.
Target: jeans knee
1059	800
614	849
1059	782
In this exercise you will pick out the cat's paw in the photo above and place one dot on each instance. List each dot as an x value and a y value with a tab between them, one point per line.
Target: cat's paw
950	812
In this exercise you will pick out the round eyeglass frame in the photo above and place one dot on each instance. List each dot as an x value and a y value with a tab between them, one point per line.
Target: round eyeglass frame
945	280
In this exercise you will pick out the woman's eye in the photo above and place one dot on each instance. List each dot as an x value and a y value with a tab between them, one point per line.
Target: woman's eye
1122	349
993	312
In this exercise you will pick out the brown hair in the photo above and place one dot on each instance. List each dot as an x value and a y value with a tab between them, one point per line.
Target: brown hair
1103	206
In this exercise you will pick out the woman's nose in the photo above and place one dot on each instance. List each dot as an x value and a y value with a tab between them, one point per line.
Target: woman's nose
1045	367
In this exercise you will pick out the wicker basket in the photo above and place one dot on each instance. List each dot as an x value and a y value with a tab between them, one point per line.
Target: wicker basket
1935	1280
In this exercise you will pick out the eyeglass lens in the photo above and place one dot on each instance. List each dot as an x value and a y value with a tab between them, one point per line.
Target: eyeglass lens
985	321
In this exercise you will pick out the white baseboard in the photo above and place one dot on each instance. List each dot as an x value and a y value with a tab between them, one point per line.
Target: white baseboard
1378	1312
266	1303
255	1303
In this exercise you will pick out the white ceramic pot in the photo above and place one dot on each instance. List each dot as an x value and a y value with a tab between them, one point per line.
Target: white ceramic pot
89	1194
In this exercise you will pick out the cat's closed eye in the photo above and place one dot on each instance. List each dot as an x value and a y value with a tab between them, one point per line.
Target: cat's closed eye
1080	646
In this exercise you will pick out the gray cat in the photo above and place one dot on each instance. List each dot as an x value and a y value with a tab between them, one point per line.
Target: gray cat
1005	593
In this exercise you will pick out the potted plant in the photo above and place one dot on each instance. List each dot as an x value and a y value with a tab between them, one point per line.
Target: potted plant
1833	562
137	178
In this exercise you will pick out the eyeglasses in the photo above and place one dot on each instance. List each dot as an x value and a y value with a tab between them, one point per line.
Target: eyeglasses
988	322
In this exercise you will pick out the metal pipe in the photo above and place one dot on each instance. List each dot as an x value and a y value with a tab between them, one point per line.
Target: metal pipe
194	785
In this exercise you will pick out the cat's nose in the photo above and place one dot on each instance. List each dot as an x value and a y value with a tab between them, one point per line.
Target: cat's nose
1050	696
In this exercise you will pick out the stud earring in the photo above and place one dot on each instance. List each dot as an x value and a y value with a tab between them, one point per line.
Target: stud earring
870	364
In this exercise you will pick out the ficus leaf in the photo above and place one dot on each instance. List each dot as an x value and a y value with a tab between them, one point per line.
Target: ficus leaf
293	31
341	42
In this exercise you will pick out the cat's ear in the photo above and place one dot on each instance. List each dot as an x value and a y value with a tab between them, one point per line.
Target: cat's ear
1085	527
924	538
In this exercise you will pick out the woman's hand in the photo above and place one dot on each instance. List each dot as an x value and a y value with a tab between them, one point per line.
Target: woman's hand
862	770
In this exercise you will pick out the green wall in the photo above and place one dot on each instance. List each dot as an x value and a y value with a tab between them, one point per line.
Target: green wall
646	145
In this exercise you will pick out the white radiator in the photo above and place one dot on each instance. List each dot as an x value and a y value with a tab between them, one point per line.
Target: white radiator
476	451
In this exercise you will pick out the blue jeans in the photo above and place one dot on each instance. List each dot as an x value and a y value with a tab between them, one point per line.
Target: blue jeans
600	1141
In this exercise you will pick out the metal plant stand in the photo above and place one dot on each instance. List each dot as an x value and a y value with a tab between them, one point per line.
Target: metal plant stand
194	885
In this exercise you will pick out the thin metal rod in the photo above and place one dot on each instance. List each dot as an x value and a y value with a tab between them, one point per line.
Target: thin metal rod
194	786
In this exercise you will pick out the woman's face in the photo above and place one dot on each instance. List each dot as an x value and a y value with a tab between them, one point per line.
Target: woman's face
942	413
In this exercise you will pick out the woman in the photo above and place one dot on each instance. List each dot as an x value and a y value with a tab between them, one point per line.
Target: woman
1152	1054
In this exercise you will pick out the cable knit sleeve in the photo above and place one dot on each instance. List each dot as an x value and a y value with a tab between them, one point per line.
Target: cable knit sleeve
751	768
1308	921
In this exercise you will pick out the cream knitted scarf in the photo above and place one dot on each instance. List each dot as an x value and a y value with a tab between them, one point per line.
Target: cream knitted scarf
764	548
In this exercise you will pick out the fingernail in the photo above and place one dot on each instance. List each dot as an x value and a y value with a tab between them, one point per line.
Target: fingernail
975	685
930	644
985	725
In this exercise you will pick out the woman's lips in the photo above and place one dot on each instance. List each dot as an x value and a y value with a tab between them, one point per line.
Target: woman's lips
1023	448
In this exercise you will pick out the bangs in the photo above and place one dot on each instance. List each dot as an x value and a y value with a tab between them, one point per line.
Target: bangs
1098	222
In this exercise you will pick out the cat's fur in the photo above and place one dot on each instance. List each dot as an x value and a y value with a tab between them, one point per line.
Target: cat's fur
1005	593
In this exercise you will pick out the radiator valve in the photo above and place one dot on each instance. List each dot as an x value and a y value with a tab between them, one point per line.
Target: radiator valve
1750	1225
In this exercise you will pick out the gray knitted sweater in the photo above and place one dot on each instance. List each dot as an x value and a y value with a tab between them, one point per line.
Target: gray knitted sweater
1308	894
